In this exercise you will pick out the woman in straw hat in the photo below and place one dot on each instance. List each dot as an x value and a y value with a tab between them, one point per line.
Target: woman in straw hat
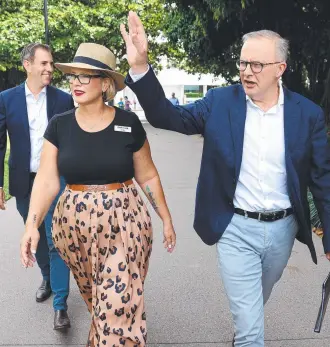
101	226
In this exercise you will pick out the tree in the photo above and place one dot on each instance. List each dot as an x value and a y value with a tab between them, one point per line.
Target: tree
72	22
210	31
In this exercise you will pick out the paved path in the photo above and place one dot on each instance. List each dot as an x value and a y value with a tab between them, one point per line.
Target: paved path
186	304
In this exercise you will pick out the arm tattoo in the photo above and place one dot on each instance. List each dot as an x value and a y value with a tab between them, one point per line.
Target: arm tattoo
152	199
34	219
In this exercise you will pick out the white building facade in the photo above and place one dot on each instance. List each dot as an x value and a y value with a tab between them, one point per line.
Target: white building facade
187	87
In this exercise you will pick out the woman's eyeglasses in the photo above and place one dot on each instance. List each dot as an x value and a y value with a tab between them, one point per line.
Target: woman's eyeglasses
82	78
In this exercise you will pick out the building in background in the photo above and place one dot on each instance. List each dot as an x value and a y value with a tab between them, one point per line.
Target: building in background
187	87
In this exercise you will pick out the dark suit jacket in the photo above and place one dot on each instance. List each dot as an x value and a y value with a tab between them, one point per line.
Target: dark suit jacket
14	119
220	118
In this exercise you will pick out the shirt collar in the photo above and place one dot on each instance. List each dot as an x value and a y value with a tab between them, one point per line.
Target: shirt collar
280	97
28	91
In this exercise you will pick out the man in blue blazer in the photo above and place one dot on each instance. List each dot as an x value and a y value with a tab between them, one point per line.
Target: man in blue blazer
24	113
264	146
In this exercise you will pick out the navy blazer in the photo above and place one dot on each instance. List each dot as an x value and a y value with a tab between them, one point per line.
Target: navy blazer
220	118
14	119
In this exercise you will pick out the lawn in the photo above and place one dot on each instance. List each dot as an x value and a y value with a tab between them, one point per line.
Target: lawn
6	172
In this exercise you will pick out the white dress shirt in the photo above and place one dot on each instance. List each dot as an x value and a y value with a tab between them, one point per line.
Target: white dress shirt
38	120
262	183
137	77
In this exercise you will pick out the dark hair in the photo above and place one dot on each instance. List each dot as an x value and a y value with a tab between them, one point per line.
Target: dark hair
29	51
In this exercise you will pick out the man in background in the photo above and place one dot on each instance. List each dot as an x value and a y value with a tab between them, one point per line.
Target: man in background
174	100
24	113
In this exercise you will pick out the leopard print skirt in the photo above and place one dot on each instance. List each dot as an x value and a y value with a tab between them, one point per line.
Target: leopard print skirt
105	238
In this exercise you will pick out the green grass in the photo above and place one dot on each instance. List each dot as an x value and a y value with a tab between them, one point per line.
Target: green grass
6	172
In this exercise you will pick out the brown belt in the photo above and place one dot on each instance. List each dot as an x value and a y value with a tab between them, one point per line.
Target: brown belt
98	187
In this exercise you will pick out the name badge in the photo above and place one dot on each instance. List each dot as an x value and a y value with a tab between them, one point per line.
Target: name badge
123	129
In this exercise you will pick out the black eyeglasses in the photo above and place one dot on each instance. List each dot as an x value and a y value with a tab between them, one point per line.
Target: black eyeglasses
83	79
255	66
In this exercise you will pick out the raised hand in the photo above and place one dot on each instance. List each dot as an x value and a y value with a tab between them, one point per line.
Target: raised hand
136	44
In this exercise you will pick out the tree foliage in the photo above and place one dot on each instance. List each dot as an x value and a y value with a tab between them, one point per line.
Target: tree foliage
210	31
72	22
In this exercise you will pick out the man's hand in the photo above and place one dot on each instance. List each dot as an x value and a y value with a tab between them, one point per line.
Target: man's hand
136	44
328	256
2	199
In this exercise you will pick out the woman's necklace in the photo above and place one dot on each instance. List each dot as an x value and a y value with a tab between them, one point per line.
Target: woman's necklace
97	122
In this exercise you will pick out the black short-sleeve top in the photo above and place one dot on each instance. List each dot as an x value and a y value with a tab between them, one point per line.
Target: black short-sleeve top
100	157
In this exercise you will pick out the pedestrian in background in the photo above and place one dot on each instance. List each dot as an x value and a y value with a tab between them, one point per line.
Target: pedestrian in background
127	104
174	100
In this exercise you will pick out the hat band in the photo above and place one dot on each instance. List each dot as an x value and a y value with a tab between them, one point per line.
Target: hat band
91	61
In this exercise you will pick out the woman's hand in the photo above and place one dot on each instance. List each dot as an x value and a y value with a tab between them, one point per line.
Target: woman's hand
169	236
29	245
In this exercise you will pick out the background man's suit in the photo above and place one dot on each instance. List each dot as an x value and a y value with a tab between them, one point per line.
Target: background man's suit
14	120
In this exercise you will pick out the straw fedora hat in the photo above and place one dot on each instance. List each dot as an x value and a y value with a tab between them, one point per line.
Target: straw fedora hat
92	56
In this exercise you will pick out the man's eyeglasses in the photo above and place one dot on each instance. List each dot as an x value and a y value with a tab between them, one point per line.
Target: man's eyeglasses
255	66
83	79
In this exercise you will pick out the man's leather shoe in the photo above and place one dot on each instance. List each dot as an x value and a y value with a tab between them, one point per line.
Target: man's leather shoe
61	320
44	291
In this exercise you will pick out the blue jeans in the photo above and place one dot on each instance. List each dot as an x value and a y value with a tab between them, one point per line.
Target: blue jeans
52	266
252	256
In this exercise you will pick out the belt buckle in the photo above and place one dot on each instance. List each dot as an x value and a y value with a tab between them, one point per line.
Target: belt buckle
274	216
269	216
92	187
96	187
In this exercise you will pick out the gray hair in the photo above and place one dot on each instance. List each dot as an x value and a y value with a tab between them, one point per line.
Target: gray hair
281	43
29	51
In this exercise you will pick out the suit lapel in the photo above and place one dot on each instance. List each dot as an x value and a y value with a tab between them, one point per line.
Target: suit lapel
22	108
51	98
292	114
237	125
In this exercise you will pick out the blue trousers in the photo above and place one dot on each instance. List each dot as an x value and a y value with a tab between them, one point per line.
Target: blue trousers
252	256
52	266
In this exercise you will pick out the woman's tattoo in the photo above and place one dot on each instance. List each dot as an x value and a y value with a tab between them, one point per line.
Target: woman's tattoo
151	197
34	219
